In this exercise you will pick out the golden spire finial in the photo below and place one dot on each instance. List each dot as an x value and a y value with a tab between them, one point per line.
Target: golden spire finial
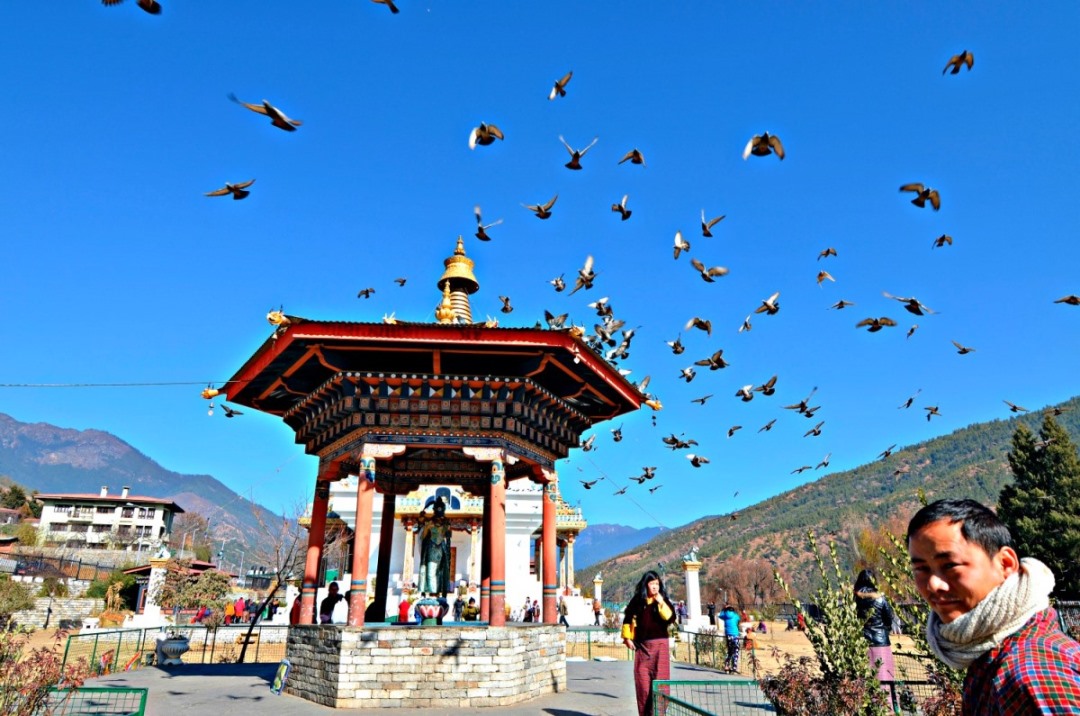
444	312
459	280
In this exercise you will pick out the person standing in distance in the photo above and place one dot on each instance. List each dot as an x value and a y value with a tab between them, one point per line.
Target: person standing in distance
645	632
990	613
732	638
878	618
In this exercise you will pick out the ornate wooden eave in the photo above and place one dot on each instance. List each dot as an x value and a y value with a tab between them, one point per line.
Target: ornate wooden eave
302	356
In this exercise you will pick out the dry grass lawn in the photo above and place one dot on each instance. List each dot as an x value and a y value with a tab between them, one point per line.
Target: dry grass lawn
770	648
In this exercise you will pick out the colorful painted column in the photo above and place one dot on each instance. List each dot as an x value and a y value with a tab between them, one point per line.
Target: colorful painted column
485	562
316	538
497	497
493	538
365	502
365	499
549	550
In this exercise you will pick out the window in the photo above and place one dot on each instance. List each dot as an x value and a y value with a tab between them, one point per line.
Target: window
143	531
105	510
123	530
127	512
101	528
146	513
62	509
78	528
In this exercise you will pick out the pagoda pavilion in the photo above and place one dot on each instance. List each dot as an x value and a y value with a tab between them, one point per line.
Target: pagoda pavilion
402	404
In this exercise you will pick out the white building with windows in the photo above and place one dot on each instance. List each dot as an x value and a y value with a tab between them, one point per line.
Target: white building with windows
105	521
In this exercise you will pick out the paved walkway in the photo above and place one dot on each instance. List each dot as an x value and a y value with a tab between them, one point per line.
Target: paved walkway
594	689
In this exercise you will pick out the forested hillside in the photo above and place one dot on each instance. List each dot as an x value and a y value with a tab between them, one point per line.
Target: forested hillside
970	462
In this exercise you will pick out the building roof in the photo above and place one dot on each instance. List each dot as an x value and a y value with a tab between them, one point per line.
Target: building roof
304	354
137	500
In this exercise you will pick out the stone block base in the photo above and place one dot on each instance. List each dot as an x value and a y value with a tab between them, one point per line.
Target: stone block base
384	666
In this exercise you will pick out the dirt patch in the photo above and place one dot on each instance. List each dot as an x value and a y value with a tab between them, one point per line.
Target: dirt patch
44	639
770	648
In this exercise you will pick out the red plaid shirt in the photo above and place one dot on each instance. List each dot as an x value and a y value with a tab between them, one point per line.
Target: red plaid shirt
1034	672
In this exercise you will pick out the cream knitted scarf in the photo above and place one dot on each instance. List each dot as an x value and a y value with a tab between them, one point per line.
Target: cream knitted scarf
999	615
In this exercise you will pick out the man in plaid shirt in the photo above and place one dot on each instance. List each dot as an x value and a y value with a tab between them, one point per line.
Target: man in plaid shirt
990	613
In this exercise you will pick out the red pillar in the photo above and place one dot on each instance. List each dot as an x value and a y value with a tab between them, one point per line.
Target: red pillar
485	562
549	552
497	498
365	498
382	568
316	538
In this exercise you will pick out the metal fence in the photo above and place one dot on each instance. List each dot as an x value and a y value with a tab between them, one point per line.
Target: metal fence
710	649
596	643
743	697
125	649
735	697
36	564
95	701
731	697
1069	614
705	649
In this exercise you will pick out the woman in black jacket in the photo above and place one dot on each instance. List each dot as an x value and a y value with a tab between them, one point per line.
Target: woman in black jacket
878	618
645	632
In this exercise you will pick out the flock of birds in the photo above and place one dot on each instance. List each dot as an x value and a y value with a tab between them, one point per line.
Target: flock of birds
610	337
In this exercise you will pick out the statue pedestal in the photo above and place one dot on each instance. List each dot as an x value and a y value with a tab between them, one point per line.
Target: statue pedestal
444	667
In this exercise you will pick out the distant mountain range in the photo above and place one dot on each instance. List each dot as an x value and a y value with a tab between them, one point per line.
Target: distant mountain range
598	542
970	462
47	458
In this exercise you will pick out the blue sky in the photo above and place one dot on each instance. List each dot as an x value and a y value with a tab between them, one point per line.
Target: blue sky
118	270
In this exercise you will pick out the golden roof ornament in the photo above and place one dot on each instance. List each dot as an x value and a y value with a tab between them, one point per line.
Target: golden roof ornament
459	271
458	280
444	312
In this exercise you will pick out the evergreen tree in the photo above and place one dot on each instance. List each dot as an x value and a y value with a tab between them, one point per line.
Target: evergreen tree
13	498
1042	506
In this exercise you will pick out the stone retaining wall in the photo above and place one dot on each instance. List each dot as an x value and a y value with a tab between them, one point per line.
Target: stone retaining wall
419	667
68	612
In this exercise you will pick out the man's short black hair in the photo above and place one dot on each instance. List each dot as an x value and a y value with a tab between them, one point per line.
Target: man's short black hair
978	523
